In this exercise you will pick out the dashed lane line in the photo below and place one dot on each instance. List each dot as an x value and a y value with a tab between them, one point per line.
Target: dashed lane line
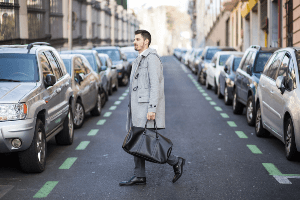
82	145
101	121
281	178
68	163
93	132
217	108
205	94
121	98
117	102
46	189
224	115
241	134
254	149
113	108
124	94
208	98
231	124
107	114
212	103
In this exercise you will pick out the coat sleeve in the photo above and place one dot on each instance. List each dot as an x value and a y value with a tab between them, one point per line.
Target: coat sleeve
155	73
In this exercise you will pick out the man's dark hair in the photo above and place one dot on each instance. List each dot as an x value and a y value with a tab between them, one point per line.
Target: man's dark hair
145	34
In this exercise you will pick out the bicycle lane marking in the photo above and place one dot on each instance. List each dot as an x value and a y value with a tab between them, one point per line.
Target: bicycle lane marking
280	178
46	189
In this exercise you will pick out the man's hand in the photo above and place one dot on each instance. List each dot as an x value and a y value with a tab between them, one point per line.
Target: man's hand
151	116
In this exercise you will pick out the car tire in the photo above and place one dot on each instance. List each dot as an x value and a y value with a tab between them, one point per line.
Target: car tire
33	159
215	87
116	86
66	136
259	129
237	107
202	81
250	112
208	86
110	90
125	79
227	101
98	107
289	139
220	96
79	115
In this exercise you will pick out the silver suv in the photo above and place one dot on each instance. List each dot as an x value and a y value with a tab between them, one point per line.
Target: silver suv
278	100
35	102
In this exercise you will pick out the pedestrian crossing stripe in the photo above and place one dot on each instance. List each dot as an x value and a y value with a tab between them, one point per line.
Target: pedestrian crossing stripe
281	178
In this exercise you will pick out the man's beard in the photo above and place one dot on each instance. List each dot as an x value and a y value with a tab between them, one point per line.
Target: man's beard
136	48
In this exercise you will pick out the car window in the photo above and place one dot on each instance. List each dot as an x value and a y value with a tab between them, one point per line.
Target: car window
284	67
46	68
271	71
58	64
67	63
292	73
78	67
261	60
59	60
210	53
85	66
56	69
214	59
109	62
236	63
247	59
113	54
199	53
252	59
223	59
103	60
98	61
90	58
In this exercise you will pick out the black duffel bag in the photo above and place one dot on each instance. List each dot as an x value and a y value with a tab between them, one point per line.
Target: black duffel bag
148	144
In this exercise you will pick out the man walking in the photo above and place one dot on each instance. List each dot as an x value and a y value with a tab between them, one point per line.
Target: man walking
147	102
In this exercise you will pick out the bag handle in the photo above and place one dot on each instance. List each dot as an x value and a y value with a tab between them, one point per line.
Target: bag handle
155	126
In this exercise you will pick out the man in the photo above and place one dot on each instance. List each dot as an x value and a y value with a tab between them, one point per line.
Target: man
147	102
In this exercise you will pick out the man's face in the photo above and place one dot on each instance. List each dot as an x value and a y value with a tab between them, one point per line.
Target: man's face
140	43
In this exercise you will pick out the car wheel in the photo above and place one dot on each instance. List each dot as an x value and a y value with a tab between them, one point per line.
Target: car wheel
33	159
220	96
125	79
215	87
110	89
259	129
289	138
237	107
202	81
98	107
227	101
116	85
65	137
79	115
250	114
208	86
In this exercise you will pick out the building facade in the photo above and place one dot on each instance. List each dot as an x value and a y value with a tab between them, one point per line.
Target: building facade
94	22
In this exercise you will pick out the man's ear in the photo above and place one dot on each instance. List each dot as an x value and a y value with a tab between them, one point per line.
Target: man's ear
147	42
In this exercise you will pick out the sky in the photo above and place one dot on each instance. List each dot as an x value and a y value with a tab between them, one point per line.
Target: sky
136	4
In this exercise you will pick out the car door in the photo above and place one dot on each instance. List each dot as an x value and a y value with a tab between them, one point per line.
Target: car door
51	95
211	70
268	85
244	76
287	69
91	81
239	73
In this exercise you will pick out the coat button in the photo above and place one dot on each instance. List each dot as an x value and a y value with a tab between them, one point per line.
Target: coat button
137	76
135	88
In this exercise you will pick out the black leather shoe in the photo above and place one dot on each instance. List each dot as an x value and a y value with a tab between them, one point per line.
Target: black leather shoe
134	181
178	169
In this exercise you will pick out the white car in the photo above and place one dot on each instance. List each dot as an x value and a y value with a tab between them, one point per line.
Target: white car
215	67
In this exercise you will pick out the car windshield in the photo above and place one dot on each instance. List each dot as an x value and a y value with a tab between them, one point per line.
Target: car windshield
67	63
91	59
261	60
223	59
18	68
103	59
236	63
210	53
114	55
131	54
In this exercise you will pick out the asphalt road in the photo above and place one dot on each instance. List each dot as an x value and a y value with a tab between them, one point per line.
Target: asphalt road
225	160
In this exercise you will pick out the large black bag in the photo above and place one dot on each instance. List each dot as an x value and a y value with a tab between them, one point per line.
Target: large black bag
148	144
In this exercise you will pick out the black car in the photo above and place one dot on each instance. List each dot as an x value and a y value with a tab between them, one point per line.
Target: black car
226	79
206	56
247	78
119	61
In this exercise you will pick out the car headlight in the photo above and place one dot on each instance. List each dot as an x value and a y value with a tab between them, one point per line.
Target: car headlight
13	111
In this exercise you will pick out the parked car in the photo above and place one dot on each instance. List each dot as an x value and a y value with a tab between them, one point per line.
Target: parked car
206	56
195	60
182	54
247	78
85	85
214	69
119	60
95	62
185	59
176	52
35	105
227	77
111	72
278	100
131	55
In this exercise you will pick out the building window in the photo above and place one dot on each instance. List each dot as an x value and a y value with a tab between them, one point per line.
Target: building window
36	4
289	23
35	22
56	6
7	24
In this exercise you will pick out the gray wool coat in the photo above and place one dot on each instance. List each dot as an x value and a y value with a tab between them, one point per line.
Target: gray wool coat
146	91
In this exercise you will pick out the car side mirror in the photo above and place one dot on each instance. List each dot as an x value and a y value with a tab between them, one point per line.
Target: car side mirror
103	68
50	80
249	70
280	83
226	69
